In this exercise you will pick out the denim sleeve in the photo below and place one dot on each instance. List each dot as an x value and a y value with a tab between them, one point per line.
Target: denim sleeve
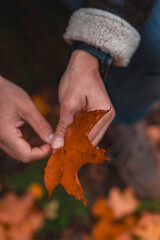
135	12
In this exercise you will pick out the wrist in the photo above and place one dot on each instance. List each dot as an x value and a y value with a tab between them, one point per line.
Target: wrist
84	60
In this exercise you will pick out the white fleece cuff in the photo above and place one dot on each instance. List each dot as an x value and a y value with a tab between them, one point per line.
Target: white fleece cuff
104	30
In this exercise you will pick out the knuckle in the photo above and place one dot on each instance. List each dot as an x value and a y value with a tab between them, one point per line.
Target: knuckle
62	127
69	106
27	107
113	112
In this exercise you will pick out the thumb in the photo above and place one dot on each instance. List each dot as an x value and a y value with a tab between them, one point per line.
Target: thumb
66	118
33	117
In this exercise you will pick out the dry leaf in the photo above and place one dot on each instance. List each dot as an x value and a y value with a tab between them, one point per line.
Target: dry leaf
21	231
104	230
148	228
122	203
125	236
62	167
100	209
19	217
108	227
13	209
129	222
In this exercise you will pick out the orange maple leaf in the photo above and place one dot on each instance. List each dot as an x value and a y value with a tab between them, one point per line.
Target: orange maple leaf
62	167
122	203
148	227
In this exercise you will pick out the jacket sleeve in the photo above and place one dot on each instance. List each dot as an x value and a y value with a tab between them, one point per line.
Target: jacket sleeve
135	12
111	25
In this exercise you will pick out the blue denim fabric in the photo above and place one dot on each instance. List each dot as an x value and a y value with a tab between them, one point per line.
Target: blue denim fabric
73	4
133	90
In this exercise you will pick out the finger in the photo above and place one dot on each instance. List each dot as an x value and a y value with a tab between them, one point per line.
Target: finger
97	128
19	149
33	117
100	135
66	118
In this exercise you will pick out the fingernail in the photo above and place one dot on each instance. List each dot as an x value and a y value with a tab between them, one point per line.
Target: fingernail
57	143
51	137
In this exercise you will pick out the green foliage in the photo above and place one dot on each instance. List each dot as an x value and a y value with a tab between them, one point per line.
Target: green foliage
20	181
150	205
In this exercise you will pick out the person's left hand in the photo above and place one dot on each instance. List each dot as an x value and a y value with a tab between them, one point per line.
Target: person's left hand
16	108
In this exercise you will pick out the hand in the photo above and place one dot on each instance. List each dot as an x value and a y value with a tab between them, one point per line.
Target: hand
80	80
16	107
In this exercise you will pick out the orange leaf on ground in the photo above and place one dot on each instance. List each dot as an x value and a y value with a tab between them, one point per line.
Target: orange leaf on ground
122	203
21	231
108	227
62	167
125	236
100	209
13	209
104	230
19	217
148	228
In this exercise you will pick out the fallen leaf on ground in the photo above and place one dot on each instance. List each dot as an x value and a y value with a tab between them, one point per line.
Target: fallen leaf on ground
21	231
108	227
148	227
62	167
13	209
100	209
125	236
103	230
19	217
122	203
129	221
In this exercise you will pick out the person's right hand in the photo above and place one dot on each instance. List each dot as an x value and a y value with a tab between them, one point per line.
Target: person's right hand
82	81
16	108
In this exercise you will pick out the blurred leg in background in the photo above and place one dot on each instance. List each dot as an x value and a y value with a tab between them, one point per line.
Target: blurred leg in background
133	91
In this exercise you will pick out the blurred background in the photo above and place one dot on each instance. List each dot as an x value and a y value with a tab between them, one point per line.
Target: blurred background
34	55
